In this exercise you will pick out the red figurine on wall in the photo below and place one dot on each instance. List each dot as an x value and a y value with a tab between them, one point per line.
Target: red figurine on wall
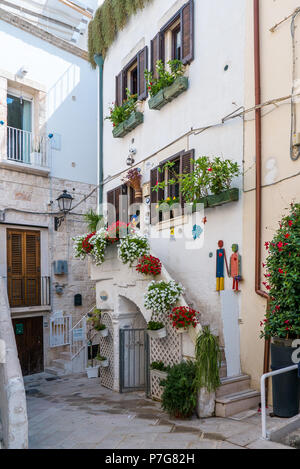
235	267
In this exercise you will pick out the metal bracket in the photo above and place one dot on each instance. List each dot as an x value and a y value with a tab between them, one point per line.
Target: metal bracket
57	222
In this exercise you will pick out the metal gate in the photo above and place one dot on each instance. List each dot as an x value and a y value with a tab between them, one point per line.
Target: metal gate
134	360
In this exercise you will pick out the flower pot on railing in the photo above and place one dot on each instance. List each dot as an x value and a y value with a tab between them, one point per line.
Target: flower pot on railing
169	93
159	334
286	387
103	332
136	118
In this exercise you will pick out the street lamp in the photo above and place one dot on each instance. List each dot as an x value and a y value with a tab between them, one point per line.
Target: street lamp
64	204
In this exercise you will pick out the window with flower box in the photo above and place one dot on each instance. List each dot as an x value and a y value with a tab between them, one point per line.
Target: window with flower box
132	78
182	164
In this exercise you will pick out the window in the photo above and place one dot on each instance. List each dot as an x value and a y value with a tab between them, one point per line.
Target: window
23	268
132	77
19	127
182	165
175	39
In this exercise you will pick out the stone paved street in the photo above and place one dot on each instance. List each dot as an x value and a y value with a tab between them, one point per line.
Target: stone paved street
77	413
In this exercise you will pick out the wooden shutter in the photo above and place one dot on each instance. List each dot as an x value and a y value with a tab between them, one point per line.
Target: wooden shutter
142	62
119	203
156	196
186	166
156	52
111	207
187	32
23	268
119	89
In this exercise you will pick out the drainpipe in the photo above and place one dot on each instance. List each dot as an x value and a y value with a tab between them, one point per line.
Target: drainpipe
100	61
258	144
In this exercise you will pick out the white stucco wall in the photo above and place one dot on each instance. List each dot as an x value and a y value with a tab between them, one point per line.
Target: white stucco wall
213	93
71	87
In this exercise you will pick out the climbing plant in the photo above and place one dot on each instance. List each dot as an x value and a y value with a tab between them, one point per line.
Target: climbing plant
109	19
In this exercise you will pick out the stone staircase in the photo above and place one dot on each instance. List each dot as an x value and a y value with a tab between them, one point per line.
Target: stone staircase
235	394
60	366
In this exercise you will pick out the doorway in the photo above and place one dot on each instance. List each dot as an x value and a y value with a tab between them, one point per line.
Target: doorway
30	344
134	360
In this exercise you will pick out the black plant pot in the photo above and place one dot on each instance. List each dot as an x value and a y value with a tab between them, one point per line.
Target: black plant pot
286	387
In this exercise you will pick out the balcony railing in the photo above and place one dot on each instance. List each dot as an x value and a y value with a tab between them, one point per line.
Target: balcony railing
26	292
24	147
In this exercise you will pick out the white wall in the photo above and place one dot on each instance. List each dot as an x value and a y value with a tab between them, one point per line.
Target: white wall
213	93
64	76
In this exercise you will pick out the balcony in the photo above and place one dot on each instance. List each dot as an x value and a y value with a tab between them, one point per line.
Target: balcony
22	151
27	292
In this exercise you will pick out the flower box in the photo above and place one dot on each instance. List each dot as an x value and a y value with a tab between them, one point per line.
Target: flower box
160	334
160	374
136	118
92	372
181	330
166	95
104	332
231	195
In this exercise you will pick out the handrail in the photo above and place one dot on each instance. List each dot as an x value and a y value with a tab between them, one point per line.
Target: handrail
92	309
75	353
265	434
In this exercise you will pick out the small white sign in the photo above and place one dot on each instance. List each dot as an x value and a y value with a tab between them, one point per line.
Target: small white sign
78	335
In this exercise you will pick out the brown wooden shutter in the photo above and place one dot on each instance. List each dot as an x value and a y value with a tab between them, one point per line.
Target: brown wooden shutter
119	89
111	215
186	166
156	52
142	62
187	32
32	268
23	268
156	196
119	203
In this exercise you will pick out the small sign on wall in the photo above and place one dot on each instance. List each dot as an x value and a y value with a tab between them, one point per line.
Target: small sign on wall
78	335
20	329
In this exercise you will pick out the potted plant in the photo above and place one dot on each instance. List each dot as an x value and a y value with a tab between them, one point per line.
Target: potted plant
104	362
282	322
134	178
207	376
93	320
102	329
182	318
162	295
156	330
159	369
125	117
169	83
132	248
179	396
149	265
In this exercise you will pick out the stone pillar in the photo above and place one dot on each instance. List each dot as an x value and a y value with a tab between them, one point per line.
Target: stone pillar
3	117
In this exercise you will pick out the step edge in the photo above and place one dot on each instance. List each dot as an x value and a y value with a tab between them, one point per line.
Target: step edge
243	395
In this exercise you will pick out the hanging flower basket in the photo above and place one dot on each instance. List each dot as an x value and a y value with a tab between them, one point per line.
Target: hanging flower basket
159	334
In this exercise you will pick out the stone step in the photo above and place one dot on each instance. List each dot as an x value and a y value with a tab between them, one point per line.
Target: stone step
65	355
60	363
223	370
53	371
232	404
233	385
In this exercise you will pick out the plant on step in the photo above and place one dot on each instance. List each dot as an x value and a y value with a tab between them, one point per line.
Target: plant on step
149	265
183	317
165	77
132	248
179	396
283	279
159	366
208	361
155	326
119	114
94	221
162	295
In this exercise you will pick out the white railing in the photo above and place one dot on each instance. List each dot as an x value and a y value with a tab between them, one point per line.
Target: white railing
78	336
60	331
24	147
265	434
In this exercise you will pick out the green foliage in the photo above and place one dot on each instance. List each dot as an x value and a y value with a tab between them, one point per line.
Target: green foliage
283	279
155	326
179	396
119	114
93	221
110	18
99	358
159	366
208	361
208	176
165	77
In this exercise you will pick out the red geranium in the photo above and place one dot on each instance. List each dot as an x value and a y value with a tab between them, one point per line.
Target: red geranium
116	231
182	317
149	265
86	246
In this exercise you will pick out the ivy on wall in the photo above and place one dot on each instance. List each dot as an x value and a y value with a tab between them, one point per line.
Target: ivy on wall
110	18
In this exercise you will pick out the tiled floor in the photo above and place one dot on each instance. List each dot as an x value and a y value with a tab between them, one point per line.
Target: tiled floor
74	412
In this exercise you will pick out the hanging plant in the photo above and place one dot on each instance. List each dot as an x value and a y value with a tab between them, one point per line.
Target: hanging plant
149	265
208	361
183	317
132	248
162	295
283	279
93	244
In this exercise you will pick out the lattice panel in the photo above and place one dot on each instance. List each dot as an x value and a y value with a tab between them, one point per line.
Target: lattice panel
156	389
107	350
167	350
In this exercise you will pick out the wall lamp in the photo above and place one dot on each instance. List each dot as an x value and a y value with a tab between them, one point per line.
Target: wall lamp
64	204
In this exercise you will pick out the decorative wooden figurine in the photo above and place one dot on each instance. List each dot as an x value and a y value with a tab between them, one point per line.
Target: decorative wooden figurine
221	261
235	268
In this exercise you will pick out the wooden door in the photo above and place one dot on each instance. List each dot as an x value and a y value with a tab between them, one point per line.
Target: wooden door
23	268
29	339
